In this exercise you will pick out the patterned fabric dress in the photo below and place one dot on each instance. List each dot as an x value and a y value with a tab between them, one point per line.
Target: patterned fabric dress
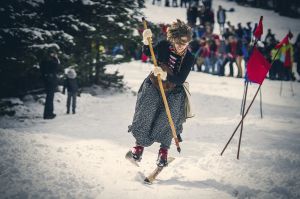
150	123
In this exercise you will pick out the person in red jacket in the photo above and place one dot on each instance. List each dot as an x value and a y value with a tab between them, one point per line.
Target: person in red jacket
233	52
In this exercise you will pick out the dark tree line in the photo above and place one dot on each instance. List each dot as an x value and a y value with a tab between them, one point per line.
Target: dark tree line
79	30
289	8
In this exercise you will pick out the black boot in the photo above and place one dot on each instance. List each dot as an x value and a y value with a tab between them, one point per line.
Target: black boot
137	153
162	159
49	117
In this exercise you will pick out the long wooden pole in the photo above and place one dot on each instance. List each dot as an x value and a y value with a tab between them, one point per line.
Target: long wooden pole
241	120
247	108
242	104
260	104
162	91
242	125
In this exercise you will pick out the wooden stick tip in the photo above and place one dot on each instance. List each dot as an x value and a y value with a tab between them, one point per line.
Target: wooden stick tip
178	149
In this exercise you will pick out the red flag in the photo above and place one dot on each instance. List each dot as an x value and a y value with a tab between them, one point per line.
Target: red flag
257	67
259	29
285	40
287	61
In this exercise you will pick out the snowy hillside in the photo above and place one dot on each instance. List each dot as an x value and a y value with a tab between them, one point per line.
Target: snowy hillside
82	155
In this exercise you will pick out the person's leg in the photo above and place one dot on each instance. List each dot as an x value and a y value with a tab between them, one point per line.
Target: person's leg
147	106
48	110
280	70
239	66
274	73
162	159
200	61
213	64
176	102
298	68
207	64
289	74
69	102
286	74
222	68
231	67
74	96
51	108
271	72
219	63
137	152
47	105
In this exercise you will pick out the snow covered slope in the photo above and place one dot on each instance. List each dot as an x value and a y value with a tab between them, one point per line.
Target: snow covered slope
82	155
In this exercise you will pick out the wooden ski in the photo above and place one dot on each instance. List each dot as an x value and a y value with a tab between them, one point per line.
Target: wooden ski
156	172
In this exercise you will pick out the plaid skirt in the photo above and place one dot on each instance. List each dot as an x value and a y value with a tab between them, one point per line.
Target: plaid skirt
150	123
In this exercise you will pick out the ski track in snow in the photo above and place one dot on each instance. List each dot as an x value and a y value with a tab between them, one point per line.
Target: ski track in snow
82	155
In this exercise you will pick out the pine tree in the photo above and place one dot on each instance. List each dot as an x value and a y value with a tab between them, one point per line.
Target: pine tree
79	29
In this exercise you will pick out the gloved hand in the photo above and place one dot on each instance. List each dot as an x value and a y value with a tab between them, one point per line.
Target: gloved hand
146	34
159	70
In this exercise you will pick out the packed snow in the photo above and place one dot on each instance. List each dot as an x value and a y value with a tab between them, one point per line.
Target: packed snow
82	155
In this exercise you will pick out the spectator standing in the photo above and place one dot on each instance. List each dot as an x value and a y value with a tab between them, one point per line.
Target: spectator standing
297	54
221	18
71	85
49	68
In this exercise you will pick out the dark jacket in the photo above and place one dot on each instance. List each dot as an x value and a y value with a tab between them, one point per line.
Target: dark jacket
49	66
206	16
49	69
221	16
71	85
180	66
192	14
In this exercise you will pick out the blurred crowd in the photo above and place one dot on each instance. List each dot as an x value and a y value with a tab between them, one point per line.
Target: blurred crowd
222	48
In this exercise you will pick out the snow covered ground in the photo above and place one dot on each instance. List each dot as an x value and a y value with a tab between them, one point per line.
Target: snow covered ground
82	155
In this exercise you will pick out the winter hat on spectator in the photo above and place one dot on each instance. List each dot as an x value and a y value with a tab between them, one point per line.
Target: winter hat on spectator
71	73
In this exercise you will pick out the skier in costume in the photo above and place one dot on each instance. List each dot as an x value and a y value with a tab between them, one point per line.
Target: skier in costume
150	123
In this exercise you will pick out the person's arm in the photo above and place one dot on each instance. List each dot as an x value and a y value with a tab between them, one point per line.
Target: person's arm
160	47
180	78
64	86
146	48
